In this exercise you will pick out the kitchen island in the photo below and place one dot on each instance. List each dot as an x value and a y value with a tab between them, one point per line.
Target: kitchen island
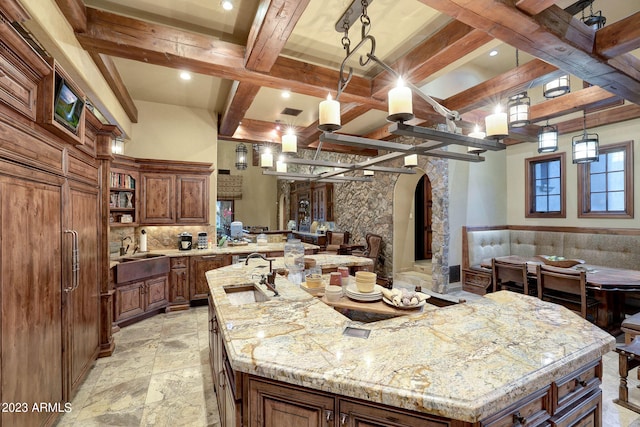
501	360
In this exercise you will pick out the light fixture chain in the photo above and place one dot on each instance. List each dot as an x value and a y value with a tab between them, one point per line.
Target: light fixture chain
364	19
346	42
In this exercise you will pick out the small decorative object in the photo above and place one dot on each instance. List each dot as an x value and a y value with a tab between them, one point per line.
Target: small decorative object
129	197
559	261
126	219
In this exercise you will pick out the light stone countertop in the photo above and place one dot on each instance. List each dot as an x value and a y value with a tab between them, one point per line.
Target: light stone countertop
465	362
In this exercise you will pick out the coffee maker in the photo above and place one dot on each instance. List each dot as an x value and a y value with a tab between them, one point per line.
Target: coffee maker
186	241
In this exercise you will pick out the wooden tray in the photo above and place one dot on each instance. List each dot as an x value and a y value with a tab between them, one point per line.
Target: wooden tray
562	263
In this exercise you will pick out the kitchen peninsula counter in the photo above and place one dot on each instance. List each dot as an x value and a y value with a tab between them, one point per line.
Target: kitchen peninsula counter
465	362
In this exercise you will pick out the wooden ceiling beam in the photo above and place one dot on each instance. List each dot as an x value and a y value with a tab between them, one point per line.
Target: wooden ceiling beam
533	73
533	7
239	100
619	38
75	13
348	112
450	43
601	118
110	73
569	103
272	26
552	35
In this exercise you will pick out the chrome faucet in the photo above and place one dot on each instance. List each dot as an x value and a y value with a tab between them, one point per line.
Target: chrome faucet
269	279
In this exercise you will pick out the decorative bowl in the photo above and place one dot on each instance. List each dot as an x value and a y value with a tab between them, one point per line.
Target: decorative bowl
558	261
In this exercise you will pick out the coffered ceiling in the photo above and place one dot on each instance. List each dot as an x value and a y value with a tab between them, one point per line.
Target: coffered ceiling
242	60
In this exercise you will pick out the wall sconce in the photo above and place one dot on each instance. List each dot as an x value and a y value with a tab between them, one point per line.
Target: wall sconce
241	157
266	159
117	146
557	87
548	139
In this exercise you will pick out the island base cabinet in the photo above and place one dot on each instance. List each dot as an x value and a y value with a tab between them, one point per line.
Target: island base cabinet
588	413
354	413
273	404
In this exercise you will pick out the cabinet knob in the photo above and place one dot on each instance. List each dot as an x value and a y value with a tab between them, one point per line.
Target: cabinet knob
580	382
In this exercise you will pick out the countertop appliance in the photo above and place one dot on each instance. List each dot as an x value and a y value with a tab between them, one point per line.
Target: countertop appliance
203	240
186	241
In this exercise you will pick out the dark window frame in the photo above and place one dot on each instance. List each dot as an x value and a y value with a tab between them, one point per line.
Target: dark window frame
584	184
530	182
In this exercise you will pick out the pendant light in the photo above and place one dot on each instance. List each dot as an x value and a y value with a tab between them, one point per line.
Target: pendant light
548	139
241	157
266	159
594	20
496	124
289	142
585	146
557	87
477	133
518	105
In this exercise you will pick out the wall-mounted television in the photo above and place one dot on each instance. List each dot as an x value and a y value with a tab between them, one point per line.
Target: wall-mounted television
68	106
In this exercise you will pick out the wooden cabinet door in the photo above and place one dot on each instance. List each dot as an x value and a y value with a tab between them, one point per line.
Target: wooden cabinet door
32	279
198	286
158	199
359	414
179	282
192	199
275	404
214	346
129	301
82	311
156	293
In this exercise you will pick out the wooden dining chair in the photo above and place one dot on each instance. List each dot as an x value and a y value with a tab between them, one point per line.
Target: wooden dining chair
509	276
566	287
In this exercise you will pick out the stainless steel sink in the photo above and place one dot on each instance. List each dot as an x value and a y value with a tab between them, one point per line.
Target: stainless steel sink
246	293
140	267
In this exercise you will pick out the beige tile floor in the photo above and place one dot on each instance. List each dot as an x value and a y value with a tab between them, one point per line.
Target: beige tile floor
159	376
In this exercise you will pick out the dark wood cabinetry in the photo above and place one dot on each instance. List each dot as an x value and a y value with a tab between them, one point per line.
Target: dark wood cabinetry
158	199
311	202
199	265
179	283
123	196
138	299
192	199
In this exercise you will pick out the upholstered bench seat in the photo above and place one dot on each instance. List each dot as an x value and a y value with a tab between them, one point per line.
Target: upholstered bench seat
631	327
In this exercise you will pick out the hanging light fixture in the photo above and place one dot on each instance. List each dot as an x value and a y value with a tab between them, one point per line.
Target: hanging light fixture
585	146
477	133
594	20
241	157
266	158
548	139
496	124
281	166
557	87
518	105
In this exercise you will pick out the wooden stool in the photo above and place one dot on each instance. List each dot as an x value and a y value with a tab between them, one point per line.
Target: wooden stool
628	358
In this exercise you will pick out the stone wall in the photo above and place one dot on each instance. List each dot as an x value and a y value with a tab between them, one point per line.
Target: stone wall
362	208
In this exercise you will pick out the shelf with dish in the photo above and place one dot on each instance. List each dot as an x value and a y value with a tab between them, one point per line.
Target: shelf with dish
122	199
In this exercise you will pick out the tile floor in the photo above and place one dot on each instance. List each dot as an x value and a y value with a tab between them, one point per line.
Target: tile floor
159	376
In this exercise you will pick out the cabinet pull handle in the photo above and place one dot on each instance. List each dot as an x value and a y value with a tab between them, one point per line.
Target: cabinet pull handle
343	419
329	415
75	262
221	378
209	256
517	418
583	383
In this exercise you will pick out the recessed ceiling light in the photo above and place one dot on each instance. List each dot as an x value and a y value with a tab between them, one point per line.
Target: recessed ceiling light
185	75
493	53
227	4
286	94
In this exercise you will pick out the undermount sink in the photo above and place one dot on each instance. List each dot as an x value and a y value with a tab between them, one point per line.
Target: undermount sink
247	293
140	267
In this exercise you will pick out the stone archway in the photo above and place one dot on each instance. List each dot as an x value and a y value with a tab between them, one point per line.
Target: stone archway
404	226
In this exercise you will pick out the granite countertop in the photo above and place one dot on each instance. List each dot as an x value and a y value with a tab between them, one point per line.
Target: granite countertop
228	250
465	362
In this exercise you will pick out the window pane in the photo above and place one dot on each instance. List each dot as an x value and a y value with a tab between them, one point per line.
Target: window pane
598	182
616	181
554	203
598	202
554	186
541	187
554	169
616	201
541	204
615	161
538	170
600	165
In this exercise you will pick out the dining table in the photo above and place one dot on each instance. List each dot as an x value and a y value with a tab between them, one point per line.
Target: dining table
609	286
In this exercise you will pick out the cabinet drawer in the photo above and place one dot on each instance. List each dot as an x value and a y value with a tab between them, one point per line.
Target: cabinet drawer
179	262
587	413
477	282
533	410
576	385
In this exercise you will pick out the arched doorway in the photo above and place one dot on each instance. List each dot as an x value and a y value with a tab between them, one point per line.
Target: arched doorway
423	227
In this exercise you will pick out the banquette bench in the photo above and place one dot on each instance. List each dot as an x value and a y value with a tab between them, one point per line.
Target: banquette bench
612	247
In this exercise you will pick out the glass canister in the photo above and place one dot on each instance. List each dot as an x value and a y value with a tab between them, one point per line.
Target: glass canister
294	259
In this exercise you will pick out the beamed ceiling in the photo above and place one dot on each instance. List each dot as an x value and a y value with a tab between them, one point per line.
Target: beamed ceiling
243	59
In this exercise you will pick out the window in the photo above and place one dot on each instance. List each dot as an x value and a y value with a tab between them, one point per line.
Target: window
605	187
545	186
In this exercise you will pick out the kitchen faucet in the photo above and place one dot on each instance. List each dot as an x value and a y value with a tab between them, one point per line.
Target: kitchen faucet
123	250
269	280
